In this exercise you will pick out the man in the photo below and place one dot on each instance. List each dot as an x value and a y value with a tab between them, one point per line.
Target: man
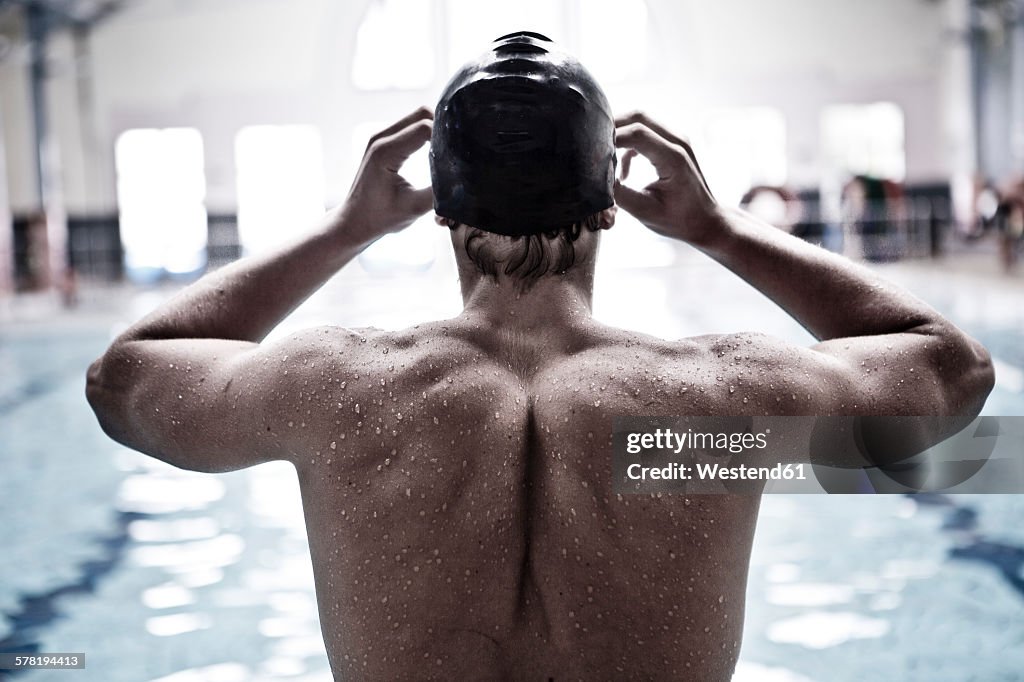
456	477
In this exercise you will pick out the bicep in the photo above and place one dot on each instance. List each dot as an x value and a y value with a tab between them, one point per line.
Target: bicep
200	404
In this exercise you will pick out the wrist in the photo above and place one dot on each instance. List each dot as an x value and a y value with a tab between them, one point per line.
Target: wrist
345	233
718	230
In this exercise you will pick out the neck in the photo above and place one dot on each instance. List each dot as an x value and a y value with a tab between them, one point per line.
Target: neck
552	302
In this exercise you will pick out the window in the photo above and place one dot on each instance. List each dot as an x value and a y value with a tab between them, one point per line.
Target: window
864	139
742	148
280	176
394	49
161	187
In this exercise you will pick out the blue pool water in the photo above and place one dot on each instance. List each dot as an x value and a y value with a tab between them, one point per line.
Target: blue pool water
161	574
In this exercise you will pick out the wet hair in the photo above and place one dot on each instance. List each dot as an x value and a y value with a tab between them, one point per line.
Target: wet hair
527	258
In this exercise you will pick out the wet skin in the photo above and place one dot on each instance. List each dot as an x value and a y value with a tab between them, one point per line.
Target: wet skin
456	476
461	519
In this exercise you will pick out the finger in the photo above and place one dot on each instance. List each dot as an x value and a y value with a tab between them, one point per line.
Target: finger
396	148
421	200
665	156
421	113
641	117
696	164
631	200
627	161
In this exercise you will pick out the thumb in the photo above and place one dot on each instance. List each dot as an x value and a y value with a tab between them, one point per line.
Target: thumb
421	200
633	201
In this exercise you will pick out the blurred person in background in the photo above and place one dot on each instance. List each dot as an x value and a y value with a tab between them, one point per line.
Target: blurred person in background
778	206
1009	223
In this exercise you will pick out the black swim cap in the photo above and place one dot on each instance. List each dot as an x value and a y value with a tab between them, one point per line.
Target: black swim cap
523	140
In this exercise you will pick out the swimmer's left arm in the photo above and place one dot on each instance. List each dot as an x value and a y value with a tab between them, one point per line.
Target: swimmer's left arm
192	379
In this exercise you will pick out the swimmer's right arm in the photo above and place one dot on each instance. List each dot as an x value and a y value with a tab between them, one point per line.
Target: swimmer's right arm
881	350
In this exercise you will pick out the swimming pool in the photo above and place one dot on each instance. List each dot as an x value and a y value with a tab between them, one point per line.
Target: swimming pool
162	574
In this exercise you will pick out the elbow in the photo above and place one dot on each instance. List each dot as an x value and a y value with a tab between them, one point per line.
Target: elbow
94	383
963	368
103	399
984	372
975	379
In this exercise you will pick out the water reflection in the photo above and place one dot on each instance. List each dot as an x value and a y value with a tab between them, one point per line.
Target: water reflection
154	493
220	551
824	629
177	624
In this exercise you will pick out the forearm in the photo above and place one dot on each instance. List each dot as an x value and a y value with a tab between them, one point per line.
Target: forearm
829	295
244	301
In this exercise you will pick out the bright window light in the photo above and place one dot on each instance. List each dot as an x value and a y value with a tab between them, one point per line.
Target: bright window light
393	46
864	139
741	148
161	186
471	24
280	176
614	39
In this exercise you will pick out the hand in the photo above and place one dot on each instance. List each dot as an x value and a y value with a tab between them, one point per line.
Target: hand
678	204
381	200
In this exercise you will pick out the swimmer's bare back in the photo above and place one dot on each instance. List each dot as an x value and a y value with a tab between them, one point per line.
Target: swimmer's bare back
456	476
